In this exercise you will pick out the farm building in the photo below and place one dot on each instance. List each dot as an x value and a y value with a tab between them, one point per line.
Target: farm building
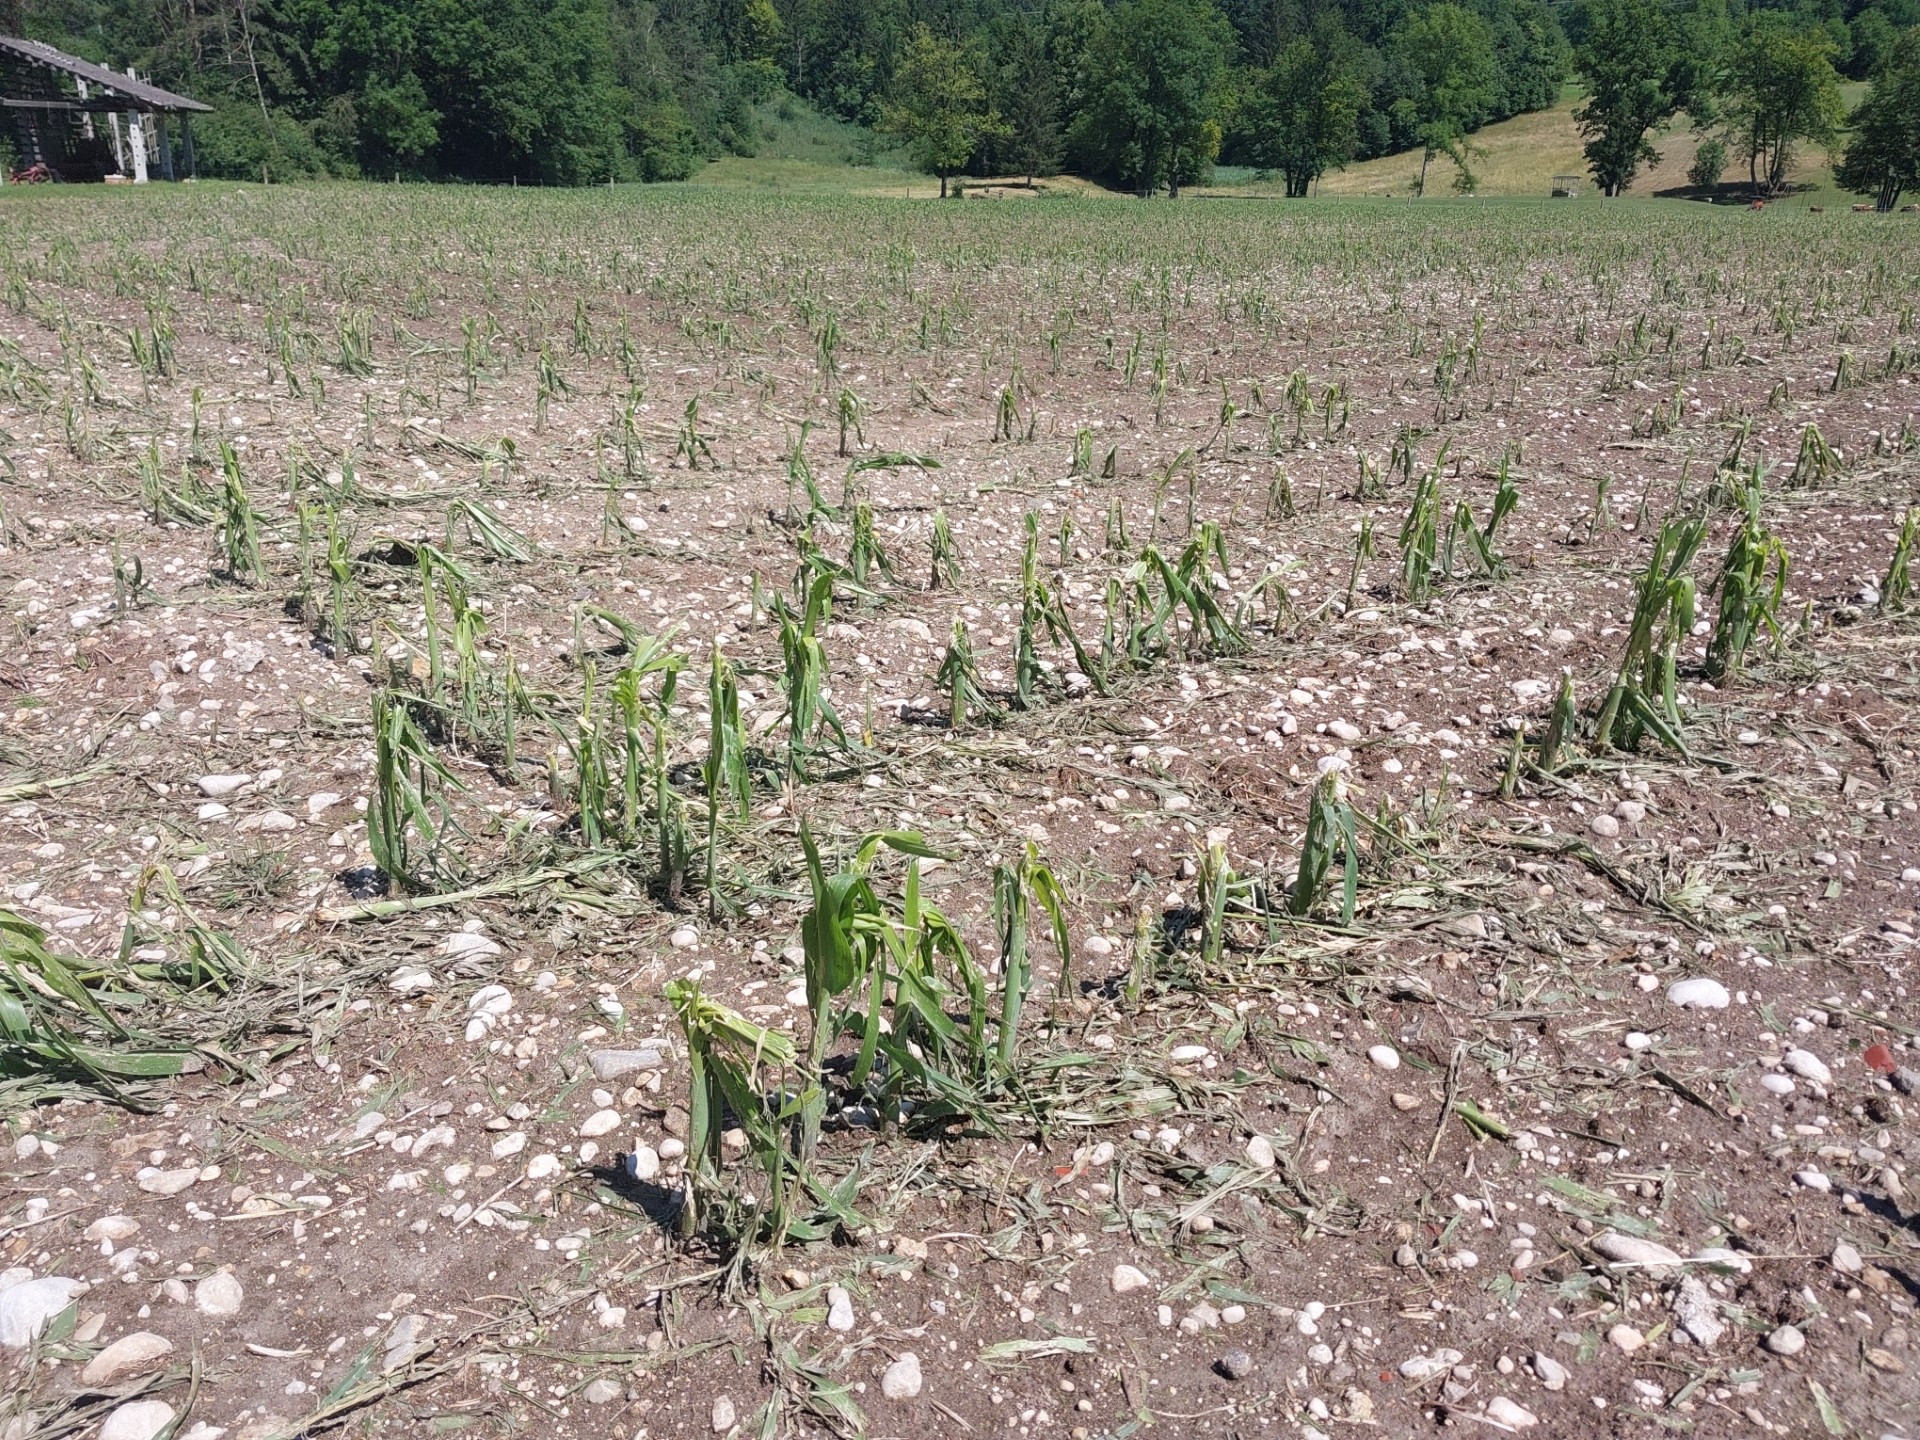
74	120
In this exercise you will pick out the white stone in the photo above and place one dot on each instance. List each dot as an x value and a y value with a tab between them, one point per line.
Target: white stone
411	980
1604	826
469	945
1638	1040
1698	1312
1128	1278
684	938
1777	1084
545	1166
1385	1056
601	1122
644	1163
128	1355
1702	992
137	1420
902	1378
723	1415
1631	1250
1625	1338
26	1308
1787	1340
1509	1415
165	1182
1808	1066
1260	1153
1553	1375
218	787
839	1309
219	1295
603	1391
112	1227
1426	1367
1187	1054
1813	1180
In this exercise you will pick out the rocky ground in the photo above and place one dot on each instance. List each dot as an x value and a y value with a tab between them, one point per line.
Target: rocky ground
1591	1119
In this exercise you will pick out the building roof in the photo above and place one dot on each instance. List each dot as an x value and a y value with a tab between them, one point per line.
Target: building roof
127	92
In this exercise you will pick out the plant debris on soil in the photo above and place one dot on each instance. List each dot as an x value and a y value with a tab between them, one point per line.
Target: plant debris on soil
651	814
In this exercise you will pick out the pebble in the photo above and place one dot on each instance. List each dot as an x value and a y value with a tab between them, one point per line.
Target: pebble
545	1166
1385	1056
1553	1375
128	1355
1777	1084
219	1294
1632	1250
1698	1312
112	1227
1128	1278
28	1305
1234	1364
137	1420
165	1182
1787	1340
612	1064
902	1378
724	1414
217	787
1813	1180
603	1391
469	945
1404	1101
411	980
601	1122
1426	1367
685	938
1638	1040
1260	1153
1406	1257
1702	992
839	1309
1505	1412
1605	826
1808	1066
1187	1054
1846	1259
1625	1338
644	1163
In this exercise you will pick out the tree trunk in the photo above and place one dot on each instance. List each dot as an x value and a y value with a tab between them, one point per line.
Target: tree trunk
943	184
1426	159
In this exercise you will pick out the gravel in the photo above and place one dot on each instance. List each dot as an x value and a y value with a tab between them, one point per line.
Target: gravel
1787	1340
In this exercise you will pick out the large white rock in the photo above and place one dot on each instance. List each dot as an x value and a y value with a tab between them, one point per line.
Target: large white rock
1128	1278
1808	1066
902	1379
128	1355
1511	1415
137	1420
1701	992
219	1295
1634	1251
27	1308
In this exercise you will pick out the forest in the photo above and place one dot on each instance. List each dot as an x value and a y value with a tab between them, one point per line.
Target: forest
1140	95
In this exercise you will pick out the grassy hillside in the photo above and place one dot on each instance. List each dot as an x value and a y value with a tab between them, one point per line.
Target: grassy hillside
1521	157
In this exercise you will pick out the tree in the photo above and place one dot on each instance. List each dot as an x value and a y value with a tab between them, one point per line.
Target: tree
1030	101
939	105
1307	115
1449	53
1781	88
1630	60
1883	158
1153	110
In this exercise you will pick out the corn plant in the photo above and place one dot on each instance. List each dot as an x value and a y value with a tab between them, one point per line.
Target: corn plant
959	676
1562	726
733	1064
805	679
867	556
408	816
1505	500
548	385
689	444
483	525
1081	461
1330	830
1006	414
1816	464
1420	538
1751	585
239	528
945	559
185	504
1897	586
1643	696
799	472
728	785
850	413
1016	889
354	330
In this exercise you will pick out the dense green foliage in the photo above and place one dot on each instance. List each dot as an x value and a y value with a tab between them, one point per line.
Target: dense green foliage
1883	159
1140	94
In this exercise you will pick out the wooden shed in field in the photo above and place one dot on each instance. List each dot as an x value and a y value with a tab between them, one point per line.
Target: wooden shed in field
70	119
1566	187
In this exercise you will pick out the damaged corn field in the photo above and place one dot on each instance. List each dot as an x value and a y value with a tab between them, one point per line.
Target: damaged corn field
648	814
